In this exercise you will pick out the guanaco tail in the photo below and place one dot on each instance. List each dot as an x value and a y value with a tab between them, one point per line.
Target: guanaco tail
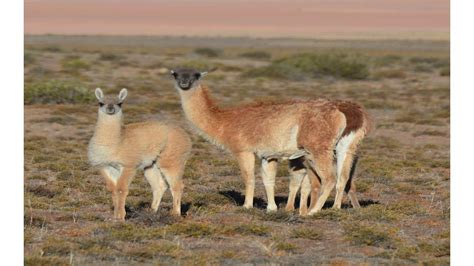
160	149
289	130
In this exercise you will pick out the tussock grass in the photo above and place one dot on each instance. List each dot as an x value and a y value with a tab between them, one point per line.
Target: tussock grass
57	91
438	249
50	260
331	215
191	229
131	232
248	229
110	57
208	52
285	246
28	59
304	66
39	73
74	64
371	235
429	132
279	216
445	72
258	55
307	233
200	65
423	68
387	60
390	74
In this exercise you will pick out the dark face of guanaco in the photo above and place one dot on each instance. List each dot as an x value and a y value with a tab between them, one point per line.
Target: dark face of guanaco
110	105
186	78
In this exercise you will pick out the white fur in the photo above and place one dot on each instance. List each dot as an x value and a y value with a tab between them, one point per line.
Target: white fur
113	172
99	94
341	150
122	95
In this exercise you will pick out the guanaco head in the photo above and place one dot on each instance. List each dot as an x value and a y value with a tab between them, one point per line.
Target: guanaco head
110	105
187	78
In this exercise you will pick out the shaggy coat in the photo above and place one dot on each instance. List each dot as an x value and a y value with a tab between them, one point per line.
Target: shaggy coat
268	130
160	149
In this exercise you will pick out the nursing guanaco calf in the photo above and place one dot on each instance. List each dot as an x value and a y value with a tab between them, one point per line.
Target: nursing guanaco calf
268	130
358	125
160	149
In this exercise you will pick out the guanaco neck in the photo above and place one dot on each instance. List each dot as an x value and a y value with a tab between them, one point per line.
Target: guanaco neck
202	111
108	130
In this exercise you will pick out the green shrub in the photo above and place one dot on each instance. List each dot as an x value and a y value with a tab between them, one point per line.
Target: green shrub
446	71
55	91
74	64
208	52
191	229
200	65
28	59
285	246
52	48
307	233
423	67
110	57
303	66
370	235
387	60
260	55
390	73
424	60
248	229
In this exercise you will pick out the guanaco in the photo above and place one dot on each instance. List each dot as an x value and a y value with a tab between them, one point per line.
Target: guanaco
268	130
358	125
158	148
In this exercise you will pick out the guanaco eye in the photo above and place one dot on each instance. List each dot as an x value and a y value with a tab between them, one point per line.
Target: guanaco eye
101	104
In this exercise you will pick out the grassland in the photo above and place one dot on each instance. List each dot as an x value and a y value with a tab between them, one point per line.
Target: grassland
403	177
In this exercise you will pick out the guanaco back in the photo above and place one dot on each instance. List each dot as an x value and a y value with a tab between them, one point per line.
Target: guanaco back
160	149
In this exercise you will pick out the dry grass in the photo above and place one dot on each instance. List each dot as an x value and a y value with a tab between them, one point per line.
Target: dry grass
403	175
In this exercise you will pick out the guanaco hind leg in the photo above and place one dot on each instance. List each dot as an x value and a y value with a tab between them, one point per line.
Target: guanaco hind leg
157	183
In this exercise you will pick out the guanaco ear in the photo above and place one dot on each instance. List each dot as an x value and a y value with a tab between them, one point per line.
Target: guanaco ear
200	75
122	95
99	94
174	74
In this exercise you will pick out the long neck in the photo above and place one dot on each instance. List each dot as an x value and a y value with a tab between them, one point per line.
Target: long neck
201	110
108	129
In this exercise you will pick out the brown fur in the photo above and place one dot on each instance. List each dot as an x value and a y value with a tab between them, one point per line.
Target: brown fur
356	117
160	149
269	130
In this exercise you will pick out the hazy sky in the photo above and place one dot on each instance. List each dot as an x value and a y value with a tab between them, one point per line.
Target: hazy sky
236	17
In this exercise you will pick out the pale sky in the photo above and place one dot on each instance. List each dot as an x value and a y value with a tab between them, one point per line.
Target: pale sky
266	18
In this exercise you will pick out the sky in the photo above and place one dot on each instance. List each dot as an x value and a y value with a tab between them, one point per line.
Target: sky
264	18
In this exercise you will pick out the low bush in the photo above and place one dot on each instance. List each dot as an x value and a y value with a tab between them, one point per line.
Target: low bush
390	73
370	235
56	92
28	59
110	57
302	66
74	64
208	52
260	55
